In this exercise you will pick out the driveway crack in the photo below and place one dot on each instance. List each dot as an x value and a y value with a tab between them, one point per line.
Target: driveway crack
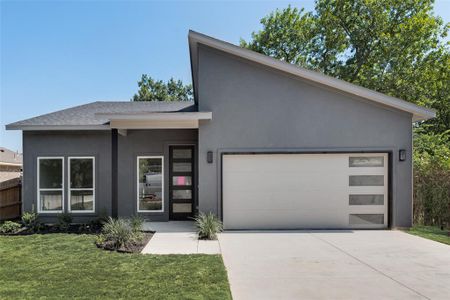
368	265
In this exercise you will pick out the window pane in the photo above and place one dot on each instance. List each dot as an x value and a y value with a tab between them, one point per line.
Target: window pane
50	173
150	184
375	161
81	200
182	153
51	200
366	199
366	180
182	194
81	173
181	180
182	207
182	167
364	219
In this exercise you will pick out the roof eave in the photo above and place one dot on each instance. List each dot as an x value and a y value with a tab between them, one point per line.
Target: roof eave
55	127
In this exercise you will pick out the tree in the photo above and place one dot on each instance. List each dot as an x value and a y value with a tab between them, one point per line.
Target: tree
396	47
158	90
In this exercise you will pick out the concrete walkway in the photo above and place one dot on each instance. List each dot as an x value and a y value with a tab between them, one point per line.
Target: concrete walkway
335	265
177	237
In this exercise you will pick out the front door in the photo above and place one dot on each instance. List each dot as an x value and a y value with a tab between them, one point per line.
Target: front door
181	182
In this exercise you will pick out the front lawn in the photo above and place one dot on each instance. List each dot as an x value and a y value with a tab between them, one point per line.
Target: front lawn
67	266
431	233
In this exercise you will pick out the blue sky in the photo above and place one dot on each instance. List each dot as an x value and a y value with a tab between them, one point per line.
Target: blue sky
56	55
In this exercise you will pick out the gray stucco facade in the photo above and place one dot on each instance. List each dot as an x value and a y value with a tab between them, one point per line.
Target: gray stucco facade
256	109
244	103
68	144
146	143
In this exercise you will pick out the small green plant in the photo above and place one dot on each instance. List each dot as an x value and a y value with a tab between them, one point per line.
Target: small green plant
64	221
100	240
136	223
30	221
10	227
208	226
117	232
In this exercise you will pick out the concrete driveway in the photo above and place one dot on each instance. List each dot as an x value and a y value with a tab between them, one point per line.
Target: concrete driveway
335	265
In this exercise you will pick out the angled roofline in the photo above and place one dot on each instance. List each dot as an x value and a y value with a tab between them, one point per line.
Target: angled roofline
55	127
419	113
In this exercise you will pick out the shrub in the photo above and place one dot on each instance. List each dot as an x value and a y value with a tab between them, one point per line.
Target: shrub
30	220
10	227
432	178
64	221
118	232
208	225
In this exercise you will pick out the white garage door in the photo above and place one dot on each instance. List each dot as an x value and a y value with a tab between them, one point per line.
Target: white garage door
288	191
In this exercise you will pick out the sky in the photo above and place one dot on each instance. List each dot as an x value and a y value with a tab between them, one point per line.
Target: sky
58	54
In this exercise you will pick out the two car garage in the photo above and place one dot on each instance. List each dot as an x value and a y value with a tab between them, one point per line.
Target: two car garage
305	191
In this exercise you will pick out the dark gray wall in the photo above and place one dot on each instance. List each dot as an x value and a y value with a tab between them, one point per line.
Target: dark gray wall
146	143
68	143
260	109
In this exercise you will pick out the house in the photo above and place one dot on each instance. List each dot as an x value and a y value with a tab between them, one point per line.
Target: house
10	165
10	181
264	145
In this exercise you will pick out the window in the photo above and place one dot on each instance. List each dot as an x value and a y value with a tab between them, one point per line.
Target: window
366	180
50	183
366	219
150	192
370	161
81	184
366	199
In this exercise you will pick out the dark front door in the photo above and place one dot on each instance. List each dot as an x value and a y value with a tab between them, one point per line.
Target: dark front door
181	182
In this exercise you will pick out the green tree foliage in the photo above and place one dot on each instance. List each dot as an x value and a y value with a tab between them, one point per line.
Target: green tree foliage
158	90
396	47
431	177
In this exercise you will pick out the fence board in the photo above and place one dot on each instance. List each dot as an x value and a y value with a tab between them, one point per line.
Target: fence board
10	201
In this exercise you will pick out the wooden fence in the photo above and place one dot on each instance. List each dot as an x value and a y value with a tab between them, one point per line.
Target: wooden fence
10	199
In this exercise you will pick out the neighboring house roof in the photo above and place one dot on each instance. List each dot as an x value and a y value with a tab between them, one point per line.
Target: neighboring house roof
10	158
96	115
419	113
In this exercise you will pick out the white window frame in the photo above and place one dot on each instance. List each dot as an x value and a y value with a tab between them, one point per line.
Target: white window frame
162	184
70	189
47	189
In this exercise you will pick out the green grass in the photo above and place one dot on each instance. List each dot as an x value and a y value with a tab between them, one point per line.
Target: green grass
67	266
431	233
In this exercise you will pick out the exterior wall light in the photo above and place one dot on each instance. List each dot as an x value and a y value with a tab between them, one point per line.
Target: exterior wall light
209	157
402	155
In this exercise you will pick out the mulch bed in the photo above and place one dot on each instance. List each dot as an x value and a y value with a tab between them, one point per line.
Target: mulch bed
48	229
132	248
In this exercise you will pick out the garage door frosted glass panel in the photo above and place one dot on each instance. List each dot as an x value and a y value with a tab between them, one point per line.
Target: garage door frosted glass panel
366	180
366	161
366	219
289	191
366	199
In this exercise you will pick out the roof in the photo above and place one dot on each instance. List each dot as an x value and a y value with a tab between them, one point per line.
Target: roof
419	113
8	157
96	115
